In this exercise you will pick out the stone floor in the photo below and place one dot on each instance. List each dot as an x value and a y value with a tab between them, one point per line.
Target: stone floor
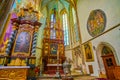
75	78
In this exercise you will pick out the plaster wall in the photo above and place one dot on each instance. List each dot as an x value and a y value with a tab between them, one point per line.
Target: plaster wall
112	37
111	9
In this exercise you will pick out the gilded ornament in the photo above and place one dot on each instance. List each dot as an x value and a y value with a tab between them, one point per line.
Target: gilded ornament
5	46
12	75
21	13
17	62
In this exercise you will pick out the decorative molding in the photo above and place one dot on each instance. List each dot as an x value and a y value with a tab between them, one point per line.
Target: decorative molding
102	33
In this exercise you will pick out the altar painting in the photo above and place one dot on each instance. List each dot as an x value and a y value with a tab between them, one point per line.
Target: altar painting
88	52
53	49
22	42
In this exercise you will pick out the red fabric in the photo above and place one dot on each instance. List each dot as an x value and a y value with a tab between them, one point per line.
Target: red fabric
37	70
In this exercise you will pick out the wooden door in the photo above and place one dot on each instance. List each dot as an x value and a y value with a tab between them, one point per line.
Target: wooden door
109	63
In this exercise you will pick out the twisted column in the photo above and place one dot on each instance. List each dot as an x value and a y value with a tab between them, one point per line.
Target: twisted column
34	43
11	39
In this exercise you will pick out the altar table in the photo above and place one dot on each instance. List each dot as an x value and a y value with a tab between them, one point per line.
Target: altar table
13	72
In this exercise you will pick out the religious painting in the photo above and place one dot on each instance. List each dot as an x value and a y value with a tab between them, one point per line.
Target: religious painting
22	42
88	52
96	22
53	49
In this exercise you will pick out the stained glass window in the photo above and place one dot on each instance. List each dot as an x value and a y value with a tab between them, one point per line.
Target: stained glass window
65	28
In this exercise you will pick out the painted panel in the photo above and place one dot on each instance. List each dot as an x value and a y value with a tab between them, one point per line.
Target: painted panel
96	22
22	42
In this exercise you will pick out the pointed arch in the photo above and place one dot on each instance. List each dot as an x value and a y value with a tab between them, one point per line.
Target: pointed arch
63	11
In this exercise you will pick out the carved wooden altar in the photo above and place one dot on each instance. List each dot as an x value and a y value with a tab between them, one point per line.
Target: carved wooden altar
53	45
21	47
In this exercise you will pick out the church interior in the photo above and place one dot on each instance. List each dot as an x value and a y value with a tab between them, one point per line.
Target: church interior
59	40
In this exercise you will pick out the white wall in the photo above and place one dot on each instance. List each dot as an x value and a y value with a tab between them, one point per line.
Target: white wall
112	11
110	7
113	38
94	64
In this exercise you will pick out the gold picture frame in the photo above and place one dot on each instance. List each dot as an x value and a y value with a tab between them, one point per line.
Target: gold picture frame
88	53
29	31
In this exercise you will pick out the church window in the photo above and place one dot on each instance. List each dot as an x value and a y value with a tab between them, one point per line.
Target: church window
65	28
52	20
75	24
53	31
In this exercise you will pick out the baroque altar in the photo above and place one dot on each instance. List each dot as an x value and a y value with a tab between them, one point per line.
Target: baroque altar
53	44
18	54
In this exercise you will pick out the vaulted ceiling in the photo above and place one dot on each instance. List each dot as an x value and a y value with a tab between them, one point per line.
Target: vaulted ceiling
58	4
45	6
50	4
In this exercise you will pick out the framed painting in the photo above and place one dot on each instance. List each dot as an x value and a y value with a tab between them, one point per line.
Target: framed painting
23	42
53	49
88	52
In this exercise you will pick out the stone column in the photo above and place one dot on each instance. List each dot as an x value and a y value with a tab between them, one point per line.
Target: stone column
34	41
11	39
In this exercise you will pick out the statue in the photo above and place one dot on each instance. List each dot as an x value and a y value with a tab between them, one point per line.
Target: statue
29	5
66	69
21	13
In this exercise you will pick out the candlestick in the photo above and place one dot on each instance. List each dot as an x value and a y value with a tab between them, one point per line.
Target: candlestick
57	72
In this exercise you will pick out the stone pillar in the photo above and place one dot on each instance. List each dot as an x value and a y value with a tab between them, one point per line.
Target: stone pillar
11	39
34	41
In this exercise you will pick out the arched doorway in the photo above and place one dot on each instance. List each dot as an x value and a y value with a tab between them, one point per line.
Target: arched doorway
109	61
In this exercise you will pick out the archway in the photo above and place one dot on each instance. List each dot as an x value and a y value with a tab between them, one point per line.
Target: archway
106	59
